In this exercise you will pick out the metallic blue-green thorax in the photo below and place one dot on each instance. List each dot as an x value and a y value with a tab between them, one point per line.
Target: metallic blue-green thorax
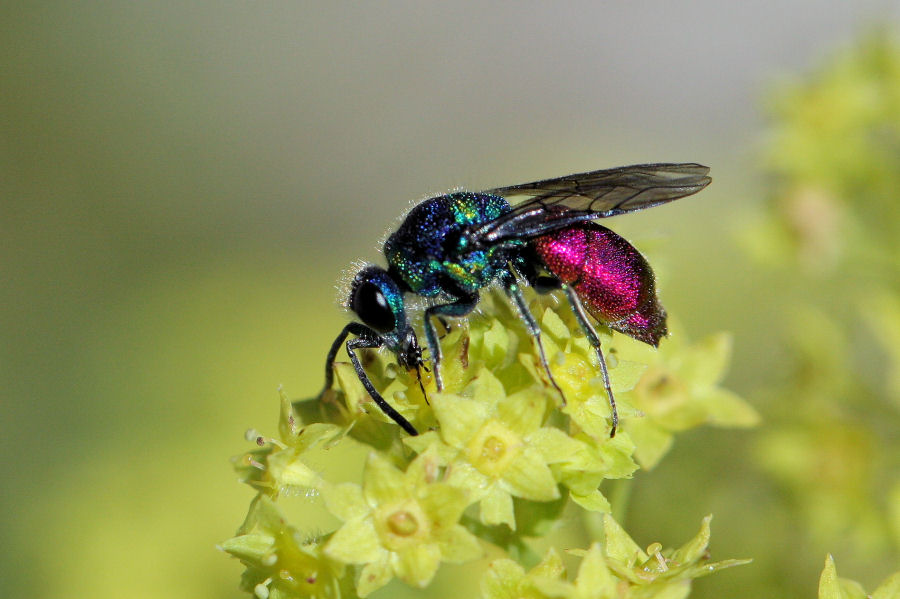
426	253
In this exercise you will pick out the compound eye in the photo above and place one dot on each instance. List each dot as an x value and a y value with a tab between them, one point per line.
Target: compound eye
372	308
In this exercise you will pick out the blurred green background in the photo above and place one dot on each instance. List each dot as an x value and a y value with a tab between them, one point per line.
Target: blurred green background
181	185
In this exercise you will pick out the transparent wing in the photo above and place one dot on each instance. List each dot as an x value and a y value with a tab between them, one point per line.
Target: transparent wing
558	203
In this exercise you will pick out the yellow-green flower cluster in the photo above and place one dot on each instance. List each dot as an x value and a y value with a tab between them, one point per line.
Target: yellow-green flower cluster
833	151
401	524
615	567
832	587
281	562
499	455
832	446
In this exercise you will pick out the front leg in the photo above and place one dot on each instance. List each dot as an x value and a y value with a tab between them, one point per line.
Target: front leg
459	307
365	338
353	328
388	409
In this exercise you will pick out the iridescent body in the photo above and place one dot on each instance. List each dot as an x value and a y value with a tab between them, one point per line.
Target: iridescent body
425	251
612	278
452	246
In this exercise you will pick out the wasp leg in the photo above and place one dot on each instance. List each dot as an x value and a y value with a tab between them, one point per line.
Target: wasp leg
446	324
421	386
460	307
369	342
515	294
366	338
544	285
594	340
353	328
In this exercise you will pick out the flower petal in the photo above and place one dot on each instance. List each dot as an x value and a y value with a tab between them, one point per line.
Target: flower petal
382	482
497	508
594	501
443	503
417	565
464	475
529	477
345	500
594	578
522	412
619	546
502	580
356	542
459	545
550	567
460	418
695	549
374	576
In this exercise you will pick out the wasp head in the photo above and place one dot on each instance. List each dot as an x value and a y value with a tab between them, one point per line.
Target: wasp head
377	301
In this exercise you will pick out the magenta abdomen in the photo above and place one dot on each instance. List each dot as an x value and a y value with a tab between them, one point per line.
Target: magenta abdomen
613	280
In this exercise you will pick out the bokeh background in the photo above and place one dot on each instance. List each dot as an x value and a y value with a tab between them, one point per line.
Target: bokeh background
181	184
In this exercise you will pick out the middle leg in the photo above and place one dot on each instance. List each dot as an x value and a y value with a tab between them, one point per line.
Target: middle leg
515	294
459	307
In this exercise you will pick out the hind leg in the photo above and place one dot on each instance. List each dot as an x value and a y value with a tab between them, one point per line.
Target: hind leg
594	340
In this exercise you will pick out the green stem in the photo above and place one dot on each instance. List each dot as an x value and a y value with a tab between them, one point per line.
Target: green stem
619	495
